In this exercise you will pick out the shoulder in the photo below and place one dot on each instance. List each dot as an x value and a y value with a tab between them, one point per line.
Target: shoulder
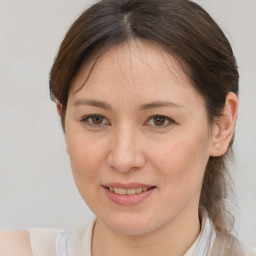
249	251
230	245
13	243
32	242
43	241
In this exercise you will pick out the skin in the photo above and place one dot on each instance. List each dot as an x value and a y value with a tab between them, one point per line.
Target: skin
130	146
13	243
127	146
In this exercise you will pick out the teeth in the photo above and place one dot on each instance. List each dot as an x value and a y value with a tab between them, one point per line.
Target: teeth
123	191
138	190
131	191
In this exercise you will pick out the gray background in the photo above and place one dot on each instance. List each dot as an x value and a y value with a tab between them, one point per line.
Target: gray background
36	184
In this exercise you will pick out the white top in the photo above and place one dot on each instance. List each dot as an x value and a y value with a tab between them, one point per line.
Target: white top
52	242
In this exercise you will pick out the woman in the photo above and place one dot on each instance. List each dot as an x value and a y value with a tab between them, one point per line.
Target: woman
147	95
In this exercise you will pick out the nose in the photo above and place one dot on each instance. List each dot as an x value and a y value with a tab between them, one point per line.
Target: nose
124	154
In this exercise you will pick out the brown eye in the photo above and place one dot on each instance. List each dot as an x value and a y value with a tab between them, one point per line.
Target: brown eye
159	120
97	119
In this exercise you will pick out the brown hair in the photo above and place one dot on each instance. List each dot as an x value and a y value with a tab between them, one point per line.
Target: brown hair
185	31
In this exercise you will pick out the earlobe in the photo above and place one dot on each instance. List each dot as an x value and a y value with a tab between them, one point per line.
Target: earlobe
59	107
224	127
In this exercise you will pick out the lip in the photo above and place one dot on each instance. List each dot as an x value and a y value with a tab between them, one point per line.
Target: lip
128	200
128	185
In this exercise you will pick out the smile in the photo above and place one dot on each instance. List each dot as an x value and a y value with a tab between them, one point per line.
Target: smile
131	191
128	194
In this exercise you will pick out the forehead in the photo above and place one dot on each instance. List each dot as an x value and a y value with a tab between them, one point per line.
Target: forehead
137	65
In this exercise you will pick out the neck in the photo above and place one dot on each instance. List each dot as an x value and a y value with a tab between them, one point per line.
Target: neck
175	237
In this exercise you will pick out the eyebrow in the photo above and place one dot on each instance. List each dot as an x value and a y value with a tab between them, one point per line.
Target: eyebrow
157	104
104	105
95	103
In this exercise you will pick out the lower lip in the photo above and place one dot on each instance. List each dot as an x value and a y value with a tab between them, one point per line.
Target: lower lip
128	200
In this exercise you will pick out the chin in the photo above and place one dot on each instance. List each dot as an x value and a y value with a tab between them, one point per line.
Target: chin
129	224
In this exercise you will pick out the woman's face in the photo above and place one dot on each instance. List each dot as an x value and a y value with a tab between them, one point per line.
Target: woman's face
139	128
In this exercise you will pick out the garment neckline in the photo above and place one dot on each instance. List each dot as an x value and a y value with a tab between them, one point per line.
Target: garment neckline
202	244
82	239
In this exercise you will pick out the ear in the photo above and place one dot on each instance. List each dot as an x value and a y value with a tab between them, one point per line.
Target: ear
59	110
224	127
59	107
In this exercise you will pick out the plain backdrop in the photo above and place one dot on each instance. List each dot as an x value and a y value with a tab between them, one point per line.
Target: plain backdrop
36	183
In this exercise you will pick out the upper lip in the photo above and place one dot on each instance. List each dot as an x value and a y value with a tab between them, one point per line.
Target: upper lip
127	185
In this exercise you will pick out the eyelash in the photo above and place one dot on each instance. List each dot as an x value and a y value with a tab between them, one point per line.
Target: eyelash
167	119
88	117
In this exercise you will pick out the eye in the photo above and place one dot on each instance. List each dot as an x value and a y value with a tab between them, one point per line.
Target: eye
95	120
160	121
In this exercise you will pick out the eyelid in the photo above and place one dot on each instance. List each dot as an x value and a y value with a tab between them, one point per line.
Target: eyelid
170	121
87	117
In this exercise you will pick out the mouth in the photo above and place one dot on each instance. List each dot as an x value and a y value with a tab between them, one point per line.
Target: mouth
128	191
128	194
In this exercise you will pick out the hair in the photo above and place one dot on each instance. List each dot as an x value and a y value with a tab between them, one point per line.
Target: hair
185	31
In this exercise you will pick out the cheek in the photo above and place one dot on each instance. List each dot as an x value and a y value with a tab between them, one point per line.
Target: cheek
182	162
86	158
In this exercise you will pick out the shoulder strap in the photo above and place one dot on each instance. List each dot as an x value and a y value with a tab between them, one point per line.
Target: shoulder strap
82	240
43	241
